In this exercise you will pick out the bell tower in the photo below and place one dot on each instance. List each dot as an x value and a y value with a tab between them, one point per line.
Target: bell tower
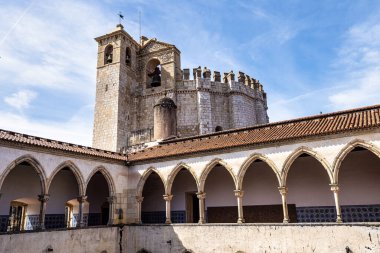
116	75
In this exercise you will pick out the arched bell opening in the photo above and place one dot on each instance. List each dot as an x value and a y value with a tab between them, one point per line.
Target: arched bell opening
358	178
262	201
97	193
153	73
185	204
19	205
309	193
220	201
153	206
63	190
108	54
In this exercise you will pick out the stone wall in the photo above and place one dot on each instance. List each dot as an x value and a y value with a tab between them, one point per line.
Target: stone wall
91	240
250	238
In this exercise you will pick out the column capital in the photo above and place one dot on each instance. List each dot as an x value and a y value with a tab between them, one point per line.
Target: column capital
43	197
201	195
283	190
334	187
81	199
239	193
139	199
167	197
111	199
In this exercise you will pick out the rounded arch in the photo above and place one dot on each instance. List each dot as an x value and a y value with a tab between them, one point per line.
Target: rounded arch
297	153
108	54
254	157
107	176
78	175
347	149
144	177
34	163
209	167
174	173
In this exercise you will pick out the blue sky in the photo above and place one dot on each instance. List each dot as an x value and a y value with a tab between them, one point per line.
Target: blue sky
311	56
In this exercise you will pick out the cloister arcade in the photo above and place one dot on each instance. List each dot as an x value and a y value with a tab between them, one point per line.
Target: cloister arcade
29	200
299	183
306	188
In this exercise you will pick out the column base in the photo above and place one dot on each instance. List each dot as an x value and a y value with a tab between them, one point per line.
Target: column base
285	221
168	221
241	220
201	221
339	220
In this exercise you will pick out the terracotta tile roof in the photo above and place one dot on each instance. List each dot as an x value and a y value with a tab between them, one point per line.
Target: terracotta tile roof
323	124
14	137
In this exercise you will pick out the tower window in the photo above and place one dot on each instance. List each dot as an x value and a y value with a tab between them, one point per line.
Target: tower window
218	129
128	57
108	54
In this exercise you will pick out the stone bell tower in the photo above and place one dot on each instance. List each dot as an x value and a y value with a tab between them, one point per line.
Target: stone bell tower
116	74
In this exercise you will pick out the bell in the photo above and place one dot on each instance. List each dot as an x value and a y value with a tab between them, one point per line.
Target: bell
109	58
156	81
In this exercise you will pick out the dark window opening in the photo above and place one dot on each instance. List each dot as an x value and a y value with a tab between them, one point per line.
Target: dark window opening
218	129
108	54
128	57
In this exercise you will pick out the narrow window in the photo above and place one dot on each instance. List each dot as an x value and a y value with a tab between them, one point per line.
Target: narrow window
128	57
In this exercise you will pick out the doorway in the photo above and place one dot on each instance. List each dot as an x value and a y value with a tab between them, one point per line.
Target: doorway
192	207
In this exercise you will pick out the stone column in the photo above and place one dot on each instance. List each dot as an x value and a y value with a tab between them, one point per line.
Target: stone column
168	199
239	195
139	200
284	191
81	200
335	190
201	196
111	202
43	198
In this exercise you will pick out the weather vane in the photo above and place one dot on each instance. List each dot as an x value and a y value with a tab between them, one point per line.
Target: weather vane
120	16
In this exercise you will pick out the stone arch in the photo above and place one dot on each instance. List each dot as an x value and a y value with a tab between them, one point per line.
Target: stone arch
34	163
296	153
108	54
144	177
150	68
174	173
78	175
347	149
243	169
209	167
107	176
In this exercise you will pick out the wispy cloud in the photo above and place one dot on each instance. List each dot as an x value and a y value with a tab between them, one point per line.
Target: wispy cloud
21	99
77	129
358	64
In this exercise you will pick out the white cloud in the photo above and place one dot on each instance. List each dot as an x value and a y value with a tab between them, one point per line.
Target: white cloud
21	99
77	129
358	60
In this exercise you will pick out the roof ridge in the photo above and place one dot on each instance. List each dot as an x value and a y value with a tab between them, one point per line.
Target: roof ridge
40	138
274	124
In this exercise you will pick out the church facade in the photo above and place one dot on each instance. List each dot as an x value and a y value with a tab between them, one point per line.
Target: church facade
300	176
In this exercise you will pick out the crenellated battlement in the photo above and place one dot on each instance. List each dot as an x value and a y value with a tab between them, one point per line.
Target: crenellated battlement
202	78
